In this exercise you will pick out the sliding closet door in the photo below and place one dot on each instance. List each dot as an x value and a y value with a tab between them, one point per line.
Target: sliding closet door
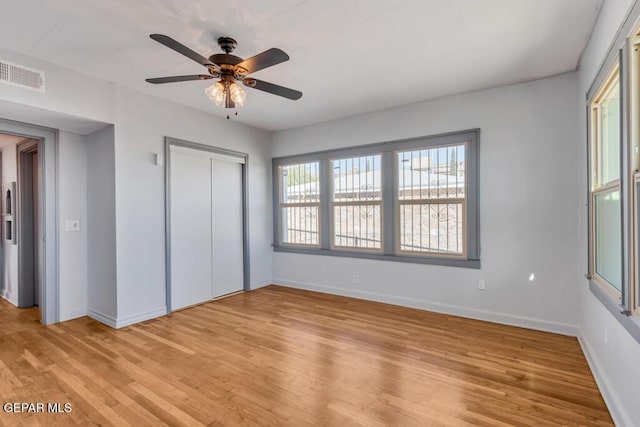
191	229
227	227
206	223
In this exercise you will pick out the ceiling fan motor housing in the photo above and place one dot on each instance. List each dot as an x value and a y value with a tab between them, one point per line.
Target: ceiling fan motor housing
225	59
227	44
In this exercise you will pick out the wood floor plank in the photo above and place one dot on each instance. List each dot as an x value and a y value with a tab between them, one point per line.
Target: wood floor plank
285	357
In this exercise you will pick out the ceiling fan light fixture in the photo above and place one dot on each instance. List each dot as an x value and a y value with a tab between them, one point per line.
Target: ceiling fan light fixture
216	93
221	92
238	95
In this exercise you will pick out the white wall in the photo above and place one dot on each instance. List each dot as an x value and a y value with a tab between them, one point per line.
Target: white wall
142	122
528	163
101	226
72	102
10	250
67	91
77	102
616	364
72	204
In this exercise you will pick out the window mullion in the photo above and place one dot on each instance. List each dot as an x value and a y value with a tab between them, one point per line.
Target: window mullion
389	185
326	213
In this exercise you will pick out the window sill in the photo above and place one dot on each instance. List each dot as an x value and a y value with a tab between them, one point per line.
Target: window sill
448	262
630	323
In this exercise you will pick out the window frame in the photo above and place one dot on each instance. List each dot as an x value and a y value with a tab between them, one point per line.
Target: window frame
596	129
399	203
333	204
634	291
389	204
632	49
281	204
626	309
597	186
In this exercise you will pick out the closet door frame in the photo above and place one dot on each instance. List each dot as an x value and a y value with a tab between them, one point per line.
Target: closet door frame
174	142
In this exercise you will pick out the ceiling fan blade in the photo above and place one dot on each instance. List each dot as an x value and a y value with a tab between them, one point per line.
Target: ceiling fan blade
175	79
181	49
272	88
263	60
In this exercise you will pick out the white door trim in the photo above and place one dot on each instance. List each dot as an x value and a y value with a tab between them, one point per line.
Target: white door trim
48	148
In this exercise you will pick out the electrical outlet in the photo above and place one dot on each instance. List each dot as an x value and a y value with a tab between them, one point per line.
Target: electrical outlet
356	279
72	225
481	285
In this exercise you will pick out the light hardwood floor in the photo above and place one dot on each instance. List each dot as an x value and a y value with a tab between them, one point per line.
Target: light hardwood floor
278	356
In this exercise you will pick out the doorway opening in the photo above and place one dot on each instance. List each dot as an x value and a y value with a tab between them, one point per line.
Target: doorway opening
28	254
28	225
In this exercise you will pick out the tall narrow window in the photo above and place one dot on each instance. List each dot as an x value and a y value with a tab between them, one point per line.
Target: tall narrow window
614	179
431	200
300	204
606	208
356	205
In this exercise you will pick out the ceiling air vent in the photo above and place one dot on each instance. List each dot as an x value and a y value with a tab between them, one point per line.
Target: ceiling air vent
17	75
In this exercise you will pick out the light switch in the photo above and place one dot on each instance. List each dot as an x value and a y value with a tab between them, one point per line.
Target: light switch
73	225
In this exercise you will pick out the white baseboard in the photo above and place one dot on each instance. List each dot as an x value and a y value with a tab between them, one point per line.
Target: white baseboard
259	285
7	296
102	318
620	416
121	322
72	314
140	317
472	313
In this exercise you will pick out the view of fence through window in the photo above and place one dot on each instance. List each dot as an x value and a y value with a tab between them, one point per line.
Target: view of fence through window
431	194
431	201
300	203
357	202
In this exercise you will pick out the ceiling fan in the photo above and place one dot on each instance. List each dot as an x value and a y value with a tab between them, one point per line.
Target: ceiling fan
228	69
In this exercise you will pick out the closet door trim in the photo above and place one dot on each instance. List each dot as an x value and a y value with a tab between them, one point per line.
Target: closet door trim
173	144
226	156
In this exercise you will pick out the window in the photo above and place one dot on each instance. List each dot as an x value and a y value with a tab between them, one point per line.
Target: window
614	179
606	208
356	203
300	204
412	201
431	200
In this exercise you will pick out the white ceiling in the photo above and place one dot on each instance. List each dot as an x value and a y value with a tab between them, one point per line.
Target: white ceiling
347	56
